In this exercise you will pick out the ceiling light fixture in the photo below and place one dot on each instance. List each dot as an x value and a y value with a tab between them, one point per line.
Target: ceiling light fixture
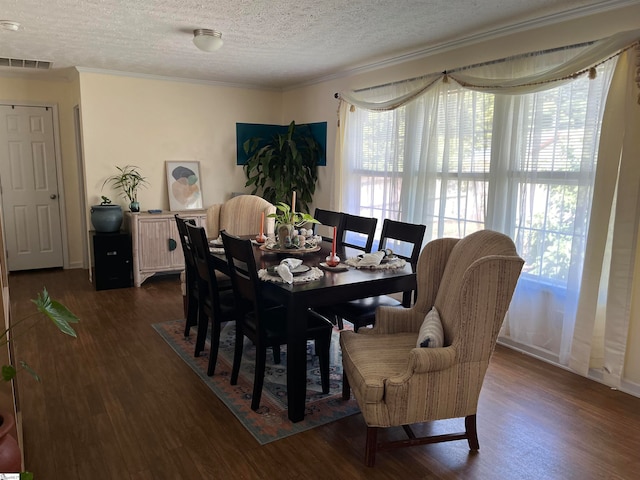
207	40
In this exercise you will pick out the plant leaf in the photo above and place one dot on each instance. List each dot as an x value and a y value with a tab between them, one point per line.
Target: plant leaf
29	370
8	372
58	313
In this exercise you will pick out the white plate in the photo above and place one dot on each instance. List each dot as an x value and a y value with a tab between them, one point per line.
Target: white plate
300	269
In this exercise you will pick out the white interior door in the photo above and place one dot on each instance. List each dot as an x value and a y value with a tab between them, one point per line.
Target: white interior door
29	187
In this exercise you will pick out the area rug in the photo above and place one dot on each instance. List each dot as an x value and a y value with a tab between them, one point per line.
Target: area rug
270	421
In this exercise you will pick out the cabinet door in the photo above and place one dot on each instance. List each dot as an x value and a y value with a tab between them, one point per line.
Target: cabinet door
177	255
153	244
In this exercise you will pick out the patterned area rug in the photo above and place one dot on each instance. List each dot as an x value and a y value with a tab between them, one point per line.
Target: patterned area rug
270	422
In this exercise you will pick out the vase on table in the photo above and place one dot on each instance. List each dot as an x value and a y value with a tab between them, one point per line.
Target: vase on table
285	235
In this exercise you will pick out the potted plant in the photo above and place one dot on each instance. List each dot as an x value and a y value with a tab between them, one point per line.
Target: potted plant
106	217
62	318
284	164
287	220
128	179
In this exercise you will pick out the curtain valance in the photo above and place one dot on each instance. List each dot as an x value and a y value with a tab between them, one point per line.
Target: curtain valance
514	76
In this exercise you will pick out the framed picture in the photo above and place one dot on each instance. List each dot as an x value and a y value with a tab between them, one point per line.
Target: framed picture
183	185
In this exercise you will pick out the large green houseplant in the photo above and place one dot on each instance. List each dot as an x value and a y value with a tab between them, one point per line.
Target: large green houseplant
284	164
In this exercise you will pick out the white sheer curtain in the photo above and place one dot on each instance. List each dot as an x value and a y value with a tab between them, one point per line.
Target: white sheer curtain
477	151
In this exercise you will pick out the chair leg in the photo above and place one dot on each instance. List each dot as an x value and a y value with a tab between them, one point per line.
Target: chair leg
201	337
339	322
472	432
237	354
370	448
276	354
215	344
323	346
258	379
190	304
346	390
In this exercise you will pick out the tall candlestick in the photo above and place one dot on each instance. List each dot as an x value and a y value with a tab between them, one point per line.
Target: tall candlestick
333	247
293	202
261	224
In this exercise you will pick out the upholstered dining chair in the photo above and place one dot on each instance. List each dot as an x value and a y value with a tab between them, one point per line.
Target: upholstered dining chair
263	323
398	379
328	219
406	240
361	226
240	215
190	279
215	306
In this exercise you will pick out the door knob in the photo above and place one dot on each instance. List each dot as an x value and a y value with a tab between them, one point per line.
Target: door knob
53	196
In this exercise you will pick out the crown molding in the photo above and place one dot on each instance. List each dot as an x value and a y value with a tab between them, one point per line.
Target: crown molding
547	20
164	78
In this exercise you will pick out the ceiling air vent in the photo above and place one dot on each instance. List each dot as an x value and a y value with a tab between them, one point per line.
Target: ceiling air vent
19	63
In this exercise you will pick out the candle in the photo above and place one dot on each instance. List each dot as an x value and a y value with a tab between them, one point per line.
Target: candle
333	247
293	202
261	224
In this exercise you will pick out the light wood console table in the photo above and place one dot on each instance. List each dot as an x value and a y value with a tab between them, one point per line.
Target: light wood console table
155	242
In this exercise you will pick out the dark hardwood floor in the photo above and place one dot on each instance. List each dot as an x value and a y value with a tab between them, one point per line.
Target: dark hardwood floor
117	403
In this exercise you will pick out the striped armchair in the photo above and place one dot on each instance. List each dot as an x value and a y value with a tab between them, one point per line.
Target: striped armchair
240	215
470	281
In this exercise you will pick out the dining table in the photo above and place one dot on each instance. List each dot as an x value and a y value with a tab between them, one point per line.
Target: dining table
335	286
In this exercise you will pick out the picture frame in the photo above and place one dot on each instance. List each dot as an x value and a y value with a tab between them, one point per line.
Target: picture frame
183	185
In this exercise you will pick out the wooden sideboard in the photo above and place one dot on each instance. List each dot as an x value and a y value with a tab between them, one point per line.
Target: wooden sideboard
155	242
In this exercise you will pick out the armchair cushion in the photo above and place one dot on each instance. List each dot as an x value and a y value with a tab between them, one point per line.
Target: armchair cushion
431	334
373	359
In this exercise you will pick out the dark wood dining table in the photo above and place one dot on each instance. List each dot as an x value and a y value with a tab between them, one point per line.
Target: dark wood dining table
334	287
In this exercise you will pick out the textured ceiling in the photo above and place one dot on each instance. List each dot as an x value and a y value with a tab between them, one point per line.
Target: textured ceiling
266	43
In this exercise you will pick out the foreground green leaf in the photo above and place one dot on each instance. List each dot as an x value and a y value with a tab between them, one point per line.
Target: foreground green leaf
58	313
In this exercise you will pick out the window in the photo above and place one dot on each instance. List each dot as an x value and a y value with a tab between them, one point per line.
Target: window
459	160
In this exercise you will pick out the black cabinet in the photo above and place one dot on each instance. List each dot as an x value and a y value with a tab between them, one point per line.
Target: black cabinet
112	260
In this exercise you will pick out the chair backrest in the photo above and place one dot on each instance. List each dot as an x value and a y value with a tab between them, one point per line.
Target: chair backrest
187	248
364	226
204	266
328	219
475	278
405	239
243	273
240	215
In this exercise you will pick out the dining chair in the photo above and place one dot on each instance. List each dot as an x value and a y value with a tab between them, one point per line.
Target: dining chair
328	219
357	227
406	240
428	362
262	323
215	306
190	276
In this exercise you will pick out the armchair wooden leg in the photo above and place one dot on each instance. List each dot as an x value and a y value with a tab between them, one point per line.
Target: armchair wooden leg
346	390
370	448
472	432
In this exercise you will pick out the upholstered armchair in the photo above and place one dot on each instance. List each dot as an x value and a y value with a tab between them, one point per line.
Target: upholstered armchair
395	381
240	215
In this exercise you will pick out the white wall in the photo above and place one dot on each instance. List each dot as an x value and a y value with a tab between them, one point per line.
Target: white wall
145	122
